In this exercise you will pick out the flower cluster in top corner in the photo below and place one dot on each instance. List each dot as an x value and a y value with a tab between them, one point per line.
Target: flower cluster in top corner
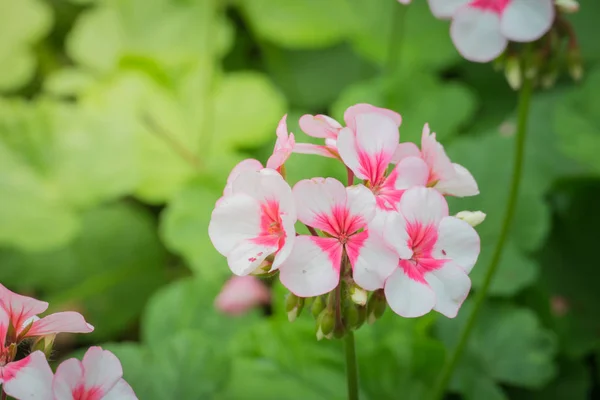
98	376
387	230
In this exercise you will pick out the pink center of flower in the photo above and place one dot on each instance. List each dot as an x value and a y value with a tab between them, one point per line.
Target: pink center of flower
421	240
373	166
81	393
496	6
340	223
386	194
271	226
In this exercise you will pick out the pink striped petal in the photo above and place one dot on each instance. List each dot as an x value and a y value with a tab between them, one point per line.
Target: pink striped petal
20	308
527	20
371	259
476	34
283	146
266	186
317	199
309	148
68	321
69	380
313	267
29	378
102	370
319	126
435	156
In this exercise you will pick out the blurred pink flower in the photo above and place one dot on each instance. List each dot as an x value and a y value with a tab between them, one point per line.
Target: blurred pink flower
241	294
22	313
481	29
98	376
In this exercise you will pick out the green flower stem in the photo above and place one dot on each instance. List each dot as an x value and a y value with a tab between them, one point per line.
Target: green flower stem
351	367
511	205
396	42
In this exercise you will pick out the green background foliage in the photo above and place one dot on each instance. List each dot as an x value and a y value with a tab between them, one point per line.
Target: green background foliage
120	120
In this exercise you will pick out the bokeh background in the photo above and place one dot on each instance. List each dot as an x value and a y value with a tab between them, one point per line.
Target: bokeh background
120	120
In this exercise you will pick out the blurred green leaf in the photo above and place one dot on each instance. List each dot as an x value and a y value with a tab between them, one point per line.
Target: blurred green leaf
116	259
22	24
508	345
299	24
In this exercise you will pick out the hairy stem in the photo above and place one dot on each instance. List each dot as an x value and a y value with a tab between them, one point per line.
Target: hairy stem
511	205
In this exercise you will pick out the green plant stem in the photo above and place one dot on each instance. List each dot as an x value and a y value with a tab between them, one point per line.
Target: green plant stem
351	367
396	42
511	205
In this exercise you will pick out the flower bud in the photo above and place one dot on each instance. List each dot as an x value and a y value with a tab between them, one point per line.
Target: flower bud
293	306
513	73
264	269
567	6
362	316
358	295
318	305
473	218
325	324
574	63
350	314
376	306
44	344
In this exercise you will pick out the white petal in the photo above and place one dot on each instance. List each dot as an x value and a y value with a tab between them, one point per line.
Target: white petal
372	260
476	34
445	8
462	184
290	237
102	369
243	166
248	255
69	375
121	391
361	204
309	148
451	286
435	156
457	241
320	126
405	150
406	297
316	198
313	267
423	205
396	235
266	185
411	171
347	148
362	108
527	20
29	378
234	219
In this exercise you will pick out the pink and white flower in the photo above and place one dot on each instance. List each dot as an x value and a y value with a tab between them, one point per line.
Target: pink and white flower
313	268
367	147
254	221
241	294
435	253
22	313
283	146
324	127
481	29
98	376
447	177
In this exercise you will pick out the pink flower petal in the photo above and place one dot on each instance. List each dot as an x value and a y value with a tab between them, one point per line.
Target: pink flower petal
461	184
121	391
410	172
313	267
283	146
362	108
406	297
405	150
20	308
266	186
249	164
457	241
102	369
249	254
68	379
241	294
527	20
476	34
435	156
423	205
371	259
290	236
317	199
361	207
445	9
29	378
309	148
319	126
396	235
68	321
451	286
236	218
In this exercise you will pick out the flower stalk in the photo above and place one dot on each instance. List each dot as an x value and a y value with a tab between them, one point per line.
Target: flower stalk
351	366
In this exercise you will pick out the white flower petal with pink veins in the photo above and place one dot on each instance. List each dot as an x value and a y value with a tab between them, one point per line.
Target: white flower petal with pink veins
396	235
67	321
309	148
319	126
368	149
462	184
476	33
283	146
440	166
527	20
313	267
316	199
451	286
29	378
266	186
408	297
445	9
372	260
362	108
457	241
424	206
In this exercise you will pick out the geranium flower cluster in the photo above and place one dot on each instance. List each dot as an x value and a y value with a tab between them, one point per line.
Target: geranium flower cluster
390	234
98	376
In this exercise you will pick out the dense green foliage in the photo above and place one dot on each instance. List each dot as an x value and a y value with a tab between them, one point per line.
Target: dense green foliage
120	120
